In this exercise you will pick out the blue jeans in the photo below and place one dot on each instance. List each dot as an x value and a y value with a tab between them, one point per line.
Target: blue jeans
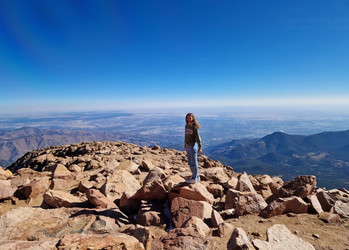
192	155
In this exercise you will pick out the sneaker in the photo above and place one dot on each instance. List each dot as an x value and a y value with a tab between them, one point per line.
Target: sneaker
191	181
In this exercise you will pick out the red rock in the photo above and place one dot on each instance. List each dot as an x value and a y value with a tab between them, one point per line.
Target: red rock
98	199
185	238
183	209
244	202
56	198
285	205
100	241
35	188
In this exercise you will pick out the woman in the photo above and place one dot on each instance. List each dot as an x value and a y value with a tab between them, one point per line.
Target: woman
192	144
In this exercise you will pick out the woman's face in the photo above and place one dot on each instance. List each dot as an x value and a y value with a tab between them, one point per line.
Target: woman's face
189	118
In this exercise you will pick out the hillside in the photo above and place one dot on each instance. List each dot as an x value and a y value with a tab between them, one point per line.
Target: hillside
15	143
116	195
325	155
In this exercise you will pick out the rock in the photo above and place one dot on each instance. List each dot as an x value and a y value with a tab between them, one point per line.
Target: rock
197	192
6	189
244	202
171	181
120	182
239	240
103	225
198	225
325	200
60	184
185	239
147	165
5	174
56	198
60	171
99	241
128	165
225	229
231	183
216	190
128	204
315	204
17	244
151	214
27	222
19	181
215	174
153	188
341	208
244	184
98	199
279	237
329	217
35	188
183	209
142	234
216	218
285	205
301	186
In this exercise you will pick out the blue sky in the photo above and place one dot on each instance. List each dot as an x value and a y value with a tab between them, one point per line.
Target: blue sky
71	55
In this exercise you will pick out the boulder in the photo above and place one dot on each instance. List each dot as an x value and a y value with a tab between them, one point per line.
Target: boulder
183	209
325	200
147	165
185	239
301	186
215	174
19	244
341	208
99	241
244	202
24	223
239	240
128	165
216	218
315	204
285	205
215	189
57	198
231	183
198	225
142	234
35	187
120	182
280	237
197	192
244	184
172	180
151	214
225	229
128	204
98	199
329	218
60	184
6	189
153	188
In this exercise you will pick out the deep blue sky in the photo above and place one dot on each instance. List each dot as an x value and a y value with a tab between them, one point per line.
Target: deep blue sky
62	55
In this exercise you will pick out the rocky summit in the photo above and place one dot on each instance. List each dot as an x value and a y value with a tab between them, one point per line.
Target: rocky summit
116	195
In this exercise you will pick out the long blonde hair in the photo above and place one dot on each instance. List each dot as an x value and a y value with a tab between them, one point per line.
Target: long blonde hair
196	123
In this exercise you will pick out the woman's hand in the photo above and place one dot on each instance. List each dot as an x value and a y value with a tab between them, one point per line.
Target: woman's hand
200	151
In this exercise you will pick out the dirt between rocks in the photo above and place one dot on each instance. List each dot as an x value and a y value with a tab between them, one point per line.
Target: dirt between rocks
309	227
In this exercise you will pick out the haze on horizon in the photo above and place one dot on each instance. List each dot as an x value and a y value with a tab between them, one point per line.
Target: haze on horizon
112	55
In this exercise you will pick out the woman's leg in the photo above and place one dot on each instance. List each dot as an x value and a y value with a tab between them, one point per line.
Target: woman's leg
192	155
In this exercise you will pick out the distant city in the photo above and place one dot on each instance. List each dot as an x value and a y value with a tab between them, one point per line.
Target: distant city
165	127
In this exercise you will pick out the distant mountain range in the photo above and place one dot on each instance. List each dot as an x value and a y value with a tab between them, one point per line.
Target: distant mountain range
15	143
325	155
